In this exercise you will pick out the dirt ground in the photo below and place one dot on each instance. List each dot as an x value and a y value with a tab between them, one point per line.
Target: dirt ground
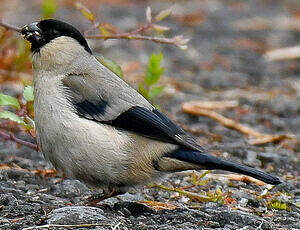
224	61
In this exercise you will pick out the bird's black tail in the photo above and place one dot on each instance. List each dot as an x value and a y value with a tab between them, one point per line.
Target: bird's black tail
211	162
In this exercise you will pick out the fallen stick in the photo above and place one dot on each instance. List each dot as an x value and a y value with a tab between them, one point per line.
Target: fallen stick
283	54
235	177
11	137
42	172
9	27
196	111
211	105
158	206
259	138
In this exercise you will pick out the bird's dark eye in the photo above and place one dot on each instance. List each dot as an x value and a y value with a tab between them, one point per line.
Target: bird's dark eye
55	33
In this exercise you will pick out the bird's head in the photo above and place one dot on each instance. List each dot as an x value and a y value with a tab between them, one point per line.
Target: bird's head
48	31
55	45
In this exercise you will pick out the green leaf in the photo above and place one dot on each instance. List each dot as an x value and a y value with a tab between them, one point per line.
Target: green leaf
148	14
48	8
12	117
110	65
163	14
30	124
160	29
297	205
103	31
143	91
154	91
154	69
6	100
85	11
278	205
28	93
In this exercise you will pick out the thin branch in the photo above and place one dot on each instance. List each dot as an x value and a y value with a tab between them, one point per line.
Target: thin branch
11	137
177	40
125	34
196	111
283	53
136	34
172	41
9	27
259	138
214	105
140	29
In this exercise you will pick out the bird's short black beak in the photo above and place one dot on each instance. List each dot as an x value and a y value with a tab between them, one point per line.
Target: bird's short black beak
32	32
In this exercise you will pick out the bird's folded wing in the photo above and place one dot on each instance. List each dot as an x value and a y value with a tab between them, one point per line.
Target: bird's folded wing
119	105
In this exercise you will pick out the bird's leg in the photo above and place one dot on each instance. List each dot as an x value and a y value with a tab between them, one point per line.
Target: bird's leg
96	198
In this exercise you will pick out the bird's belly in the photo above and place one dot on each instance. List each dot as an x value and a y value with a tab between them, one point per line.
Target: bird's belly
83	149
99	154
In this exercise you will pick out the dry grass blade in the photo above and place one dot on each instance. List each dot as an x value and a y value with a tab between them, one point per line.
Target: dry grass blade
42	172
271	139
45	172
235	177
158	206
259	138
213	105
12	166
193	196
196	111
283	54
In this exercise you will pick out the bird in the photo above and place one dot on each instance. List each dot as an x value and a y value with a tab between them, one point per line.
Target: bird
92	126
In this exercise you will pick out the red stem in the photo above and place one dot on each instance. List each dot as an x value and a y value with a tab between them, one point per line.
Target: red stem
135	37
11	137
138	30
9	27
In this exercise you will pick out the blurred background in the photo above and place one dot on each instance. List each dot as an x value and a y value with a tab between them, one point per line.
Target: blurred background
242	62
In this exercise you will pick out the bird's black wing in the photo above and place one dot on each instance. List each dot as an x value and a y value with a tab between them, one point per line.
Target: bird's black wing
125	112
155	125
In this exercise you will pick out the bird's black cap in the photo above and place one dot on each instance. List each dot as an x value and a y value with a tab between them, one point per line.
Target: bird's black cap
46	30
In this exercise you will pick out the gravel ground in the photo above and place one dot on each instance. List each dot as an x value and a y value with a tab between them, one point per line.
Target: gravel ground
224	62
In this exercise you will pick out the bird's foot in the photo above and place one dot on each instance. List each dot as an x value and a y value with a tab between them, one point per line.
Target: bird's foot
94	199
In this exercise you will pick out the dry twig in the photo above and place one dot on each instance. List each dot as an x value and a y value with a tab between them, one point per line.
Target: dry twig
11	137
259	138
235	177
9	27
171	41
41	172
107	31
193	196
158	206
212	105
283	54
196	111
